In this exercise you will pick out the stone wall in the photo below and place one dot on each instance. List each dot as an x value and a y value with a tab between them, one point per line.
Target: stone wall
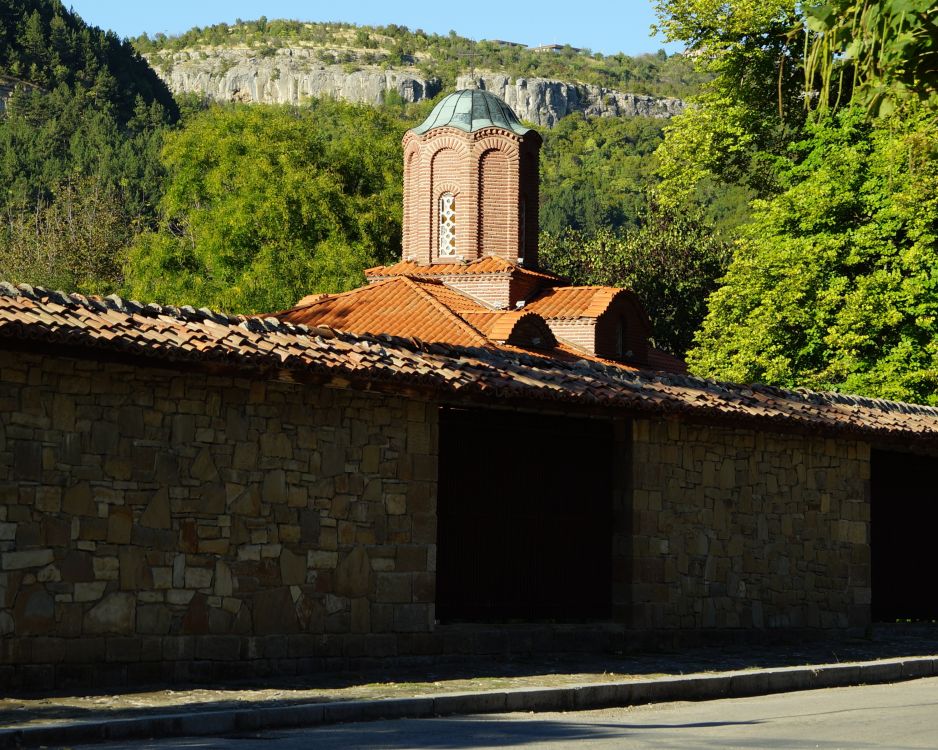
736	528
160	526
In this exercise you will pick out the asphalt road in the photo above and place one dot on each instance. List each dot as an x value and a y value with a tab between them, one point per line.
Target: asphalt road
898	717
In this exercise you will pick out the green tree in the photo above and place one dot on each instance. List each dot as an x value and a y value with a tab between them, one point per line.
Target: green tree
672	262
834	283
878	52
265	204
73	242
595	172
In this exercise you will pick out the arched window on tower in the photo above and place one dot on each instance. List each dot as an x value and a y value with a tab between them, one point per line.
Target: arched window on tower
447	225
522	230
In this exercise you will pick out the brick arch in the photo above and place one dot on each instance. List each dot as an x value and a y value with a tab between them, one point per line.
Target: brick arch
411	214
497	206
496	143
443	142
447	166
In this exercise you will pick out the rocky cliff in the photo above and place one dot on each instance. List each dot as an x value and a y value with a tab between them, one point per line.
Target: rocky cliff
288	75
239	75
544	102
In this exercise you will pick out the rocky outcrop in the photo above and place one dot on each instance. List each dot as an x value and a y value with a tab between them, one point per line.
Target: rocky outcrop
289	75
6	91
544	102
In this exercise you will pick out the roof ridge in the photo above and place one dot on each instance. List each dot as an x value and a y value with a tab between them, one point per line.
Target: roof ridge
444	308
324	296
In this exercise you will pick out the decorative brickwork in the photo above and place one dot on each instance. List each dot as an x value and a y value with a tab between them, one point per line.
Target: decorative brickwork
490	172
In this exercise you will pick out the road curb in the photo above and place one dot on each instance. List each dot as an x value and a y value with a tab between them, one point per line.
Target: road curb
569	698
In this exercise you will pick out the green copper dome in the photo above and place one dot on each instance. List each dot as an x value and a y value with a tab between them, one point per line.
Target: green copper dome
472	110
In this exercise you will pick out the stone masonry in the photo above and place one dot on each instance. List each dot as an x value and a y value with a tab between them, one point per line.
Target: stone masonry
160	525
734	528
157	525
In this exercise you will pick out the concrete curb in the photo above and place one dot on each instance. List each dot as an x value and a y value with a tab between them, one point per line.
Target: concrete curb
569	698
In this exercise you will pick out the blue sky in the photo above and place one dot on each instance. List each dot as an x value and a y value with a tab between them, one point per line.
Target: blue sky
606	26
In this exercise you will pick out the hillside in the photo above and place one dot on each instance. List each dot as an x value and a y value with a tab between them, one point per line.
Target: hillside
81	123
276	62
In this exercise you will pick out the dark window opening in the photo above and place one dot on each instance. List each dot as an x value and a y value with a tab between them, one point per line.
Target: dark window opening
525	517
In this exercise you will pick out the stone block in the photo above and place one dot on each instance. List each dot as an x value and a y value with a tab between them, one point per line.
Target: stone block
34	612
274	612
48	499
122	650
223	580
203	467
322	559
153	619
195	621
275	487
33	558
134	571
89	592
27	460
157	516
198	578
119	523
114	615
394	587
353	574
218	648
78	500
292	568
361	615
213	546
395	504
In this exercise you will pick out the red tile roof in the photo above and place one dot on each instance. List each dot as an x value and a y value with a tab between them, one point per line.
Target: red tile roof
568	302
488	265
271	348
422	309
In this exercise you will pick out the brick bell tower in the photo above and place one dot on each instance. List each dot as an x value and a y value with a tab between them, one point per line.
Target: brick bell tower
471	184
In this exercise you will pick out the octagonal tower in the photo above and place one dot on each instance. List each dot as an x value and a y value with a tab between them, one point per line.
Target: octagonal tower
471	183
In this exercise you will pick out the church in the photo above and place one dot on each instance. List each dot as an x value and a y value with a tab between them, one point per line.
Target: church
464	456
469	271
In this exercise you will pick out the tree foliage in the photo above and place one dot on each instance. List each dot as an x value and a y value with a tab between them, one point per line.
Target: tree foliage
671	261
595	172
745	117
46	46
83	127
834	283
73	242
266	204
880	52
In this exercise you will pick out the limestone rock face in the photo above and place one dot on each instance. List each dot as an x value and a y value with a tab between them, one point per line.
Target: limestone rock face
292	74
287	77
544	102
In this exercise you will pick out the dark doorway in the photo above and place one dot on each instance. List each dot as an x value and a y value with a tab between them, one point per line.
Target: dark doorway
525	517
903	527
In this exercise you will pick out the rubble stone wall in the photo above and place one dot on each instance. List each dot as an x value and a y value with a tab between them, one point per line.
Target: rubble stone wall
733	528
163	526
